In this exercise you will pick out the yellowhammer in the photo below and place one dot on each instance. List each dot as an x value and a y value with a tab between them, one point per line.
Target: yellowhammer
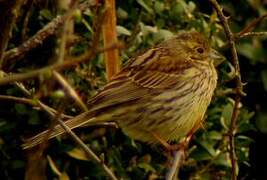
159	96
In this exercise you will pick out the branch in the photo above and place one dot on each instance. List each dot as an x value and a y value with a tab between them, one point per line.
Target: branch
174	170
70	62
239	86
249	34
251	26
9	11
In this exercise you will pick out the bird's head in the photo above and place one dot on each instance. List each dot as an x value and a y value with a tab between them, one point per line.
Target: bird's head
192	46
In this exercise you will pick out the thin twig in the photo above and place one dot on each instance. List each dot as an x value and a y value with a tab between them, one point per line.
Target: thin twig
70	90
174	170
249	34
18	100
239	86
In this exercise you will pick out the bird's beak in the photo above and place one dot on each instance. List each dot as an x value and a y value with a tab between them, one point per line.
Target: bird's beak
216	57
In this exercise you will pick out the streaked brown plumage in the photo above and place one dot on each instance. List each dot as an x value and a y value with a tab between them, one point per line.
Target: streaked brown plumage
164	91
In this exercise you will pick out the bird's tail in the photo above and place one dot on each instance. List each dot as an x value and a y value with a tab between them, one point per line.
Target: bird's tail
86	118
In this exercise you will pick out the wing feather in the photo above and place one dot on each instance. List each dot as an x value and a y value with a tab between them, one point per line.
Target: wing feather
140	79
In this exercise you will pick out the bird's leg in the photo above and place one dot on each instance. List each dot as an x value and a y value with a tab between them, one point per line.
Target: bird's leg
170	149
165	144
183	143
193	130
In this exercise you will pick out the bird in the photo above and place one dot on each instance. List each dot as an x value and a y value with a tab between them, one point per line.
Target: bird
160	96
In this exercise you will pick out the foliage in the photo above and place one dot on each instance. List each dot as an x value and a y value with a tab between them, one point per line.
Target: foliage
141	24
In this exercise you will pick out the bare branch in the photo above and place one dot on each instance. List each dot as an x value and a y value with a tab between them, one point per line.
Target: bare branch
18	100
70	62
249	34
239	86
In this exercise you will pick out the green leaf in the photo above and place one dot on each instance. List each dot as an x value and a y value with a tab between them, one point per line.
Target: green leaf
223	160
226	115
177	10
64	176
34	118
208	147
21	109
46	14
261	122
77	153
122	14
53	166
161	35
243	141
146	167
145	6
159	7
17	164
251	52
200	154
123	31
214	135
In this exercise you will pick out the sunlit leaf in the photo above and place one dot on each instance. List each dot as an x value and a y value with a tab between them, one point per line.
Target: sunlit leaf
53	166
123	31
64	176
145	6
79	154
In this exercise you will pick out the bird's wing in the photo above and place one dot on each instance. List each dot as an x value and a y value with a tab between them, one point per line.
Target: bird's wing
145	75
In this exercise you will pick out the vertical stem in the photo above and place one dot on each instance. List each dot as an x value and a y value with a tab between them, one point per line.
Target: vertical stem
239	86
112	60
9	11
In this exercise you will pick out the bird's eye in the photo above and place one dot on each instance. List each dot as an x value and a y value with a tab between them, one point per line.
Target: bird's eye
200	50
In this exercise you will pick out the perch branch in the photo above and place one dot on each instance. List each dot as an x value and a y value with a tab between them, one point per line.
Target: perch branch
174	170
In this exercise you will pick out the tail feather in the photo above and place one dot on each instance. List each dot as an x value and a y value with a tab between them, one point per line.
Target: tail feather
83	119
